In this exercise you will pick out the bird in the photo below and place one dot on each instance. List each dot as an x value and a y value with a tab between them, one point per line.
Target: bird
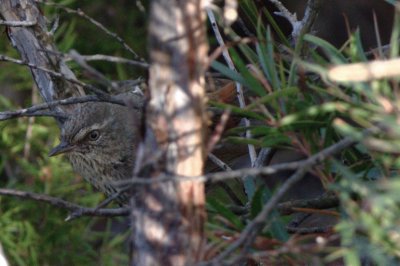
100	140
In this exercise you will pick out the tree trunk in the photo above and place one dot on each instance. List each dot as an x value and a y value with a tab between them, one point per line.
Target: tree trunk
169	217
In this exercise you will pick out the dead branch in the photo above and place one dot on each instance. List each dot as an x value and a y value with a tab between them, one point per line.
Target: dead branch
299	28
52	73
17	23
35	110
100	77
109	58
10	115
59	203
326	202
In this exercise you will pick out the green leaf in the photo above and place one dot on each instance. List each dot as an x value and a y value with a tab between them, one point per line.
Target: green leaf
394	39
250	10
275	141
276	28
331	51
240	140
265	51
356	49
66	35
238	110
222	210
274	96
226	71
257	202
249	80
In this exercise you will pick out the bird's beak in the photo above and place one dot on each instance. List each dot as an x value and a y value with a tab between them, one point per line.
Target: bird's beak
63	147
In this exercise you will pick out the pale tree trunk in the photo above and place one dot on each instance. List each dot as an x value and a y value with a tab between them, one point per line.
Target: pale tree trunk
169	217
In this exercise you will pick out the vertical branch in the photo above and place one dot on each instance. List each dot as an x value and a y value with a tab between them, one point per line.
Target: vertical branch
239	90
169	217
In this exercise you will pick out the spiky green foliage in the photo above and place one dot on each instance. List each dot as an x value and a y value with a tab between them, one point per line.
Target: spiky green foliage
297	106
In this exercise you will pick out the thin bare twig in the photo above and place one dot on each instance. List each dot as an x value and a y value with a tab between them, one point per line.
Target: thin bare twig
35	110
310	15
213	177
219	50
309	230
9	115
51	72
65	204
82	14
303	26
99	57
221	164
293	226
293	246
92	71
262	155
17	23
317	211
240	95
78	212
109	58
293	206
284	12
101	94
325	202
218	131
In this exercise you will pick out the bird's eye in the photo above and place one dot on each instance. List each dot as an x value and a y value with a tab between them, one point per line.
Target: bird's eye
94	135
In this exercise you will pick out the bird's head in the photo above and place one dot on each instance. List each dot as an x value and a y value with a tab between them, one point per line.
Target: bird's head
96	129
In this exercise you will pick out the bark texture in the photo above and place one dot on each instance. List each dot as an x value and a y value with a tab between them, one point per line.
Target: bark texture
35	46
169	217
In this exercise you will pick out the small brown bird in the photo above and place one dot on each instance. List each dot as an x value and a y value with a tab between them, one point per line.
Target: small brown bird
99	140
